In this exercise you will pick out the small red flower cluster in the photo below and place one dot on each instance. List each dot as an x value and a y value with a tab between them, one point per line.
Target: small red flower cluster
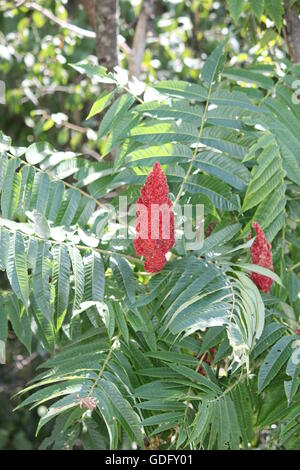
208	359
261	254
210	228
154	248
298	330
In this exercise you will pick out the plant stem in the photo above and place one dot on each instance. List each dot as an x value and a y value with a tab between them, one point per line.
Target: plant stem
133	259
203	119
104	364
295	266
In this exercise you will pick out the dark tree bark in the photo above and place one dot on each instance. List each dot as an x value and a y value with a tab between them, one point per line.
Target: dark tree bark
293	27
139	41
107	31
103	16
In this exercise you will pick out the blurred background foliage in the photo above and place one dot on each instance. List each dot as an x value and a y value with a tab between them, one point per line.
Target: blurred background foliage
46	99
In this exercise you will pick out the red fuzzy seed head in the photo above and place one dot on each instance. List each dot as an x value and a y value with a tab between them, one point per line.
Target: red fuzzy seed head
297	332
155	226
261	254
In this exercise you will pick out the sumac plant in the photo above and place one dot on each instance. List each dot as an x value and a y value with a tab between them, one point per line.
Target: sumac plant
149	343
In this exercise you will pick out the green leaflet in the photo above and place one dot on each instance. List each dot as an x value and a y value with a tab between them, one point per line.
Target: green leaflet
68	208
223	167
217	191
276	11
265	177
40	193
93	439
78	272
100	104
112	117
180	109
128	416
169	153
41	280
257	7
20	320
213	65
17	267
226	140
10	189
266	189
217	420
235	8
123	272
164	132
274	361
271	333
181	89
3	167
249	76
38	152
293	370
61	282
94	277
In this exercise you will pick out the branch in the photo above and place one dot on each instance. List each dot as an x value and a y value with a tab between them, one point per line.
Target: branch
80	32
139	41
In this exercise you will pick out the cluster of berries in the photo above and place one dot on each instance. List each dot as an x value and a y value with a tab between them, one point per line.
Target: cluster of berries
154	248
261	254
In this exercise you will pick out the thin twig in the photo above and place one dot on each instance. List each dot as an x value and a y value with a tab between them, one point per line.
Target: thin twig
80	32
295	266
104	364
69	185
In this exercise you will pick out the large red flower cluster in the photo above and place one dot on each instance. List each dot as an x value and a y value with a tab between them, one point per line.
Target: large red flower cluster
154	194
261	254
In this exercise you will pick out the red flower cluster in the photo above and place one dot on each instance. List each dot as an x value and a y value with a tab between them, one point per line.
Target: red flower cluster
210	228
153	238
261	254
208	359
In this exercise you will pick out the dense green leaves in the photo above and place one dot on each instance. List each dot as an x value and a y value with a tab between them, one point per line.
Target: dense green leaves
189	353
274	361
235	8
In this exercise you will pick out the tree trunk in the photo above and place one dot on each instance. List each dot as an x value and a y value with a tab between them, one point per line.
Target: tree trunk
293	27
139	41
107	31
